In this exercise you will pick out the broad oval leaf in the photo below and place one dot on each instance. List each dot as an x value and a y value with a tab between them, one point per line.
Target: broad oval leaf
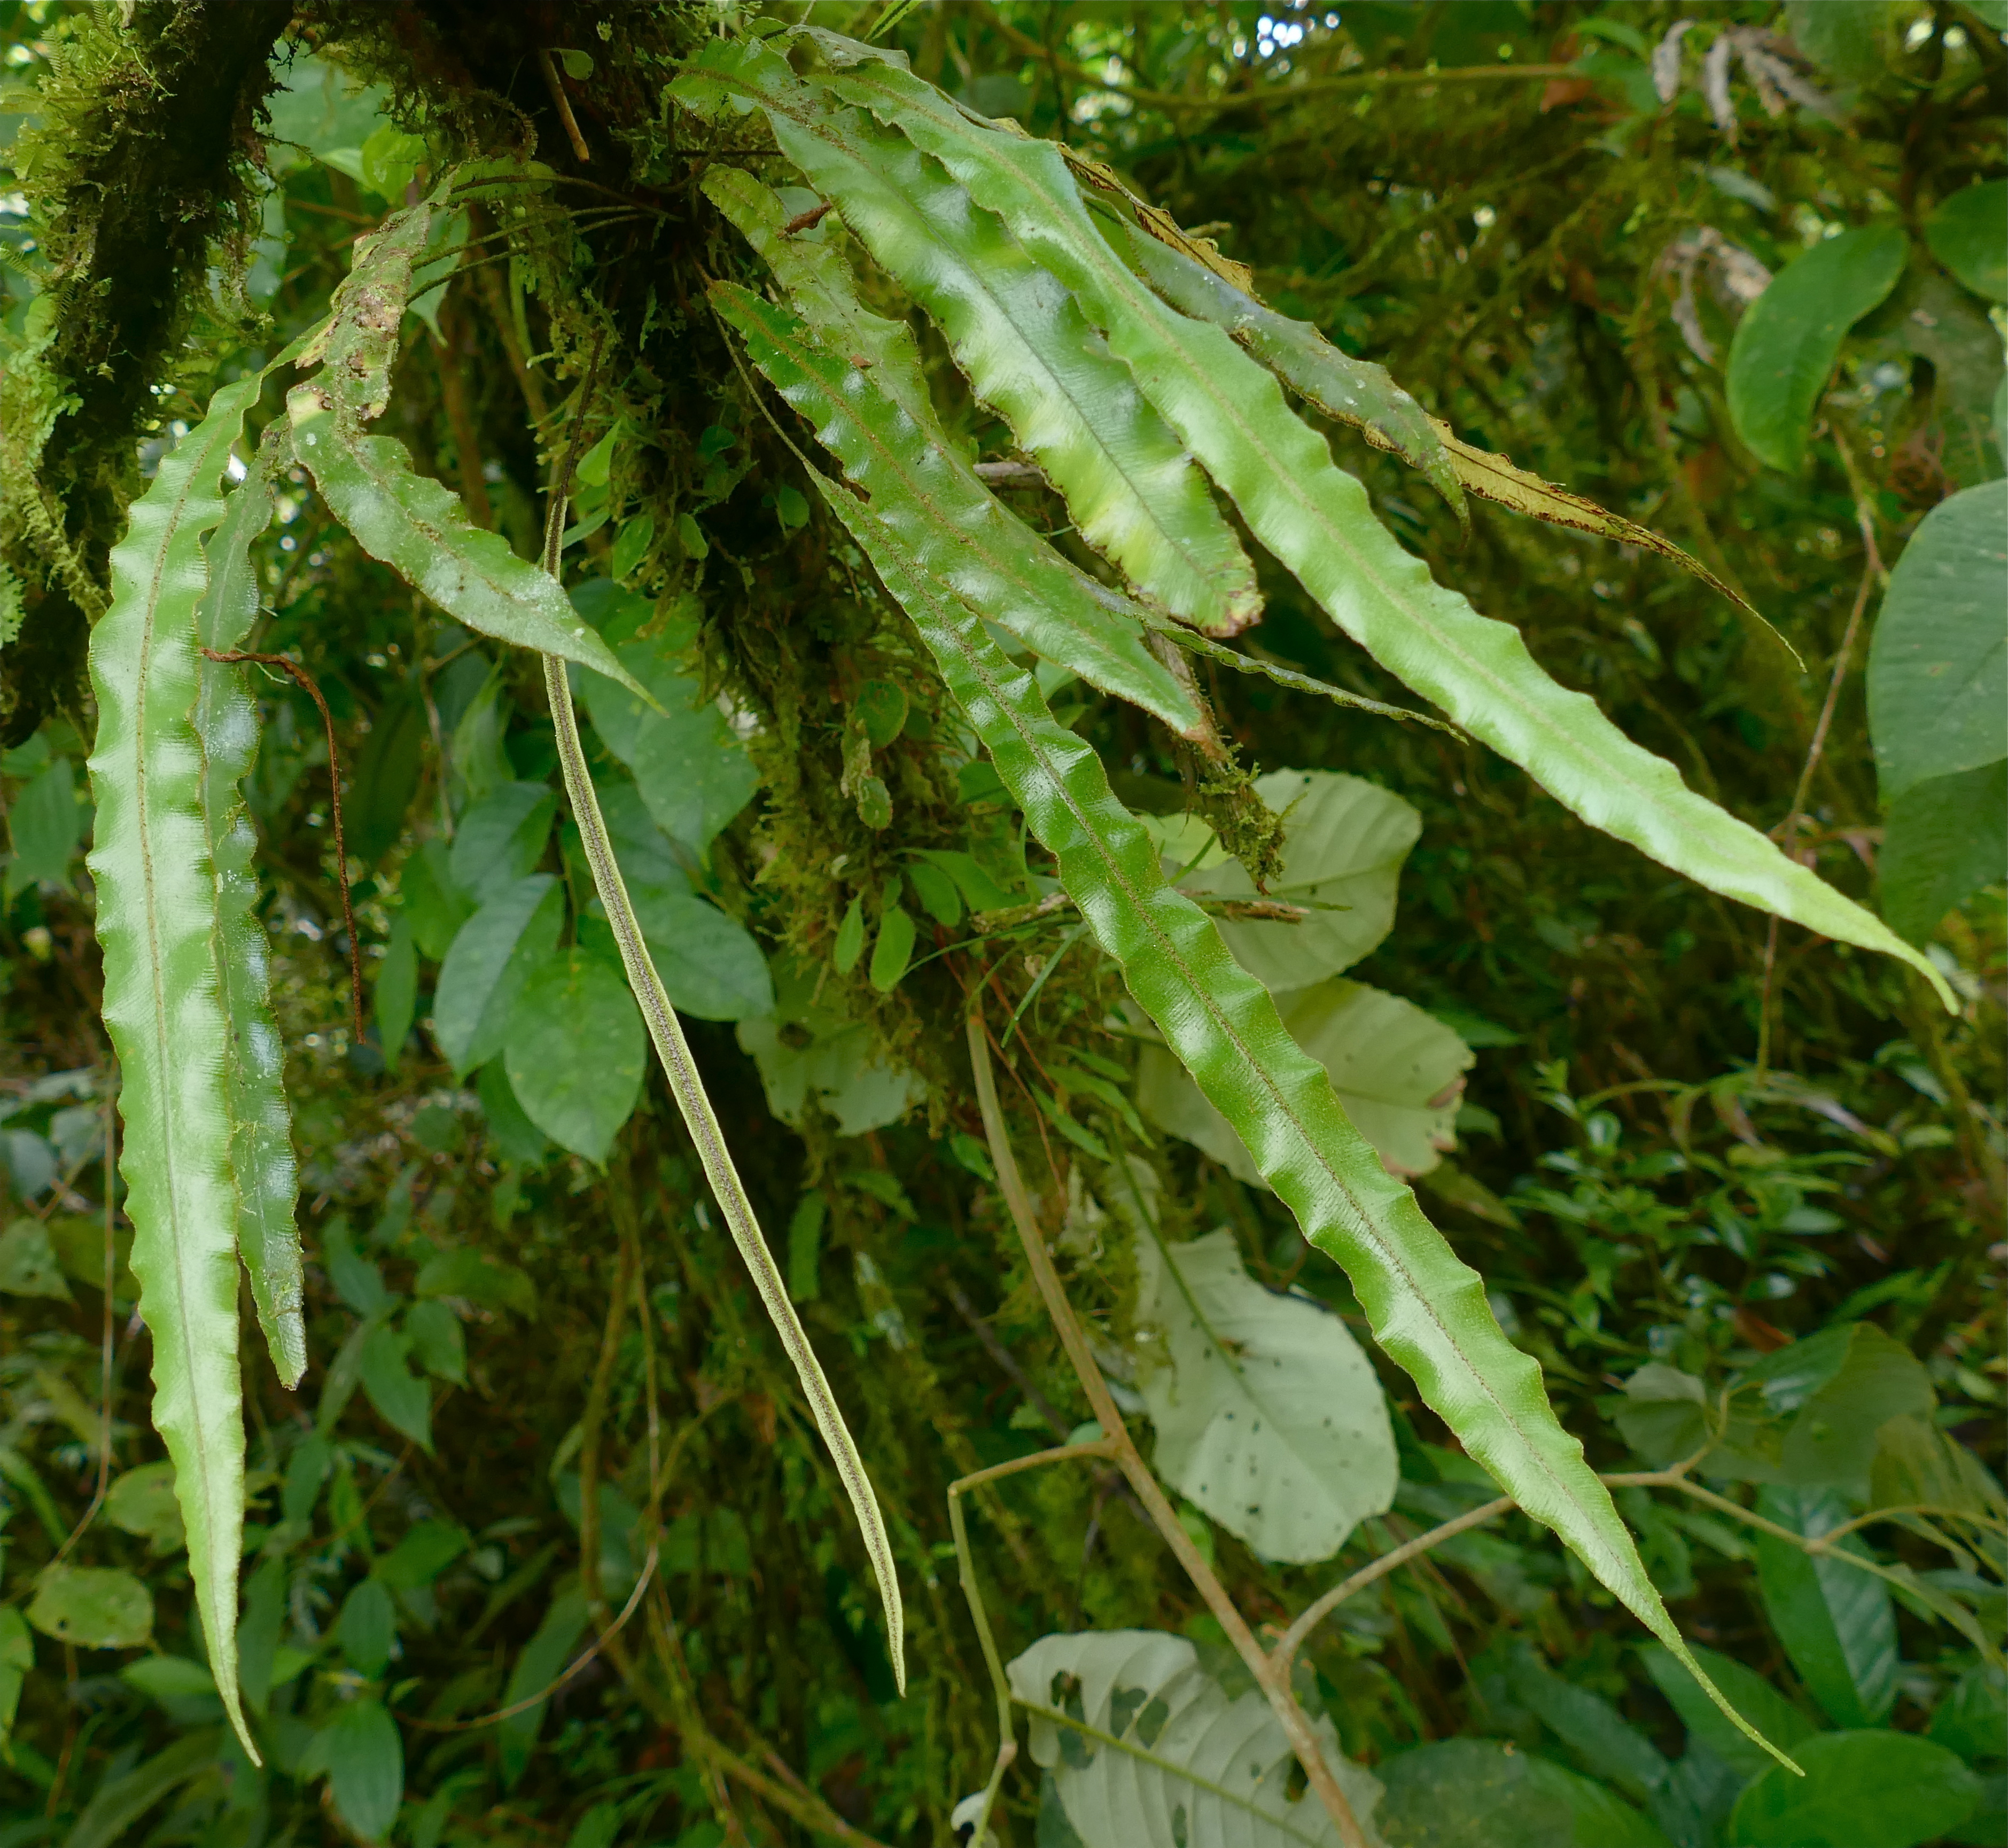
1938	665
28	1265
1836	1621
1269	1418
1147	1751
1398	1073
693	773
43	826
92	1607
367	1626
1789	338
491	959
1861	1789
364	1757
403	1399
1969	234
142	1502
1942	840
1344	843
500	839
576	1052
810	1058
1316	519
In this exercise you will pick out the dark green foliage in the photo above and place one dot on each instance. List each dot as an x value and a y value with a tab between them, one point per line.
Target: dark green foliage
530	1370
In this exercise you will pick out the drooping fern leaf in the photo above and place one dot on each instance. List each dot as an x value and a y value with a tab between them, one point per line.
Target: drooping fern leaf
1019	337
1427	1307
226	723
1060	613
420	529
157	925
1316	519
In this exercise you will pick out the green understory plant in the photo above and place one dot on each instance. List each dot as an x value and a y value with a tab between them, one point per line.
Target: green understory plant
892	283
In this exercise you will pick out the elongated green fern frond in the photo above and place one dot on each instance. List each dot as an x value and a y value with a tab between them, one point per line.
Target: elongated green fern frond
950	517
413	524
1230	410
1126	477
157	924
226	723
1354	392
1427	1307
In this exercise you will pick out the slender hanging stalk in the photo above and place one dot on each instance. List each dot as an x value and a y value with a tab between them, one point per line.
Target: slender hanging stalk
687	1086
1123	1451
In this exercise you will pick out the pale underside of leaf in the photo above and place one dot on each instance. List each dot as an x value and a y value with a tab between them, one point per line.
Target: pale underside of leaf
226	721
1269	1417
1425	1307
1162	1757
1316	519
1127	479
951	519
156	919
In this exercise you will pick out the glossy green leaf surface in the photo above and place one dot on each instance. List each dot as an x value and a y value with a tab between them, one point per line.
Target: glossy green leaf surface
1836	1621
410	521
1942	840
1354	391
1128	481
1316	519
226	722
156	923
492	959
1775	1716
1425	1307
1861	1789
576	1052
1968	234
952	519
1789	338
1938	664
1268	1415
364	1757
1398	1072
